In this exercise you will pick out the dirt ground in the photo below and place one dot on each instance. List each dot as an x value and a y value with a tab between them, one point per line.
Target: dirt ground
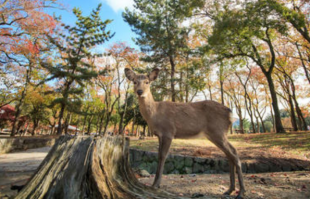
288	185
17	168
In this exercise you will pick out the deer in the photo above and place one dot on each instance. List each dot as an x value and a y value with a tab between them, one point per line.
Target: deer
168	120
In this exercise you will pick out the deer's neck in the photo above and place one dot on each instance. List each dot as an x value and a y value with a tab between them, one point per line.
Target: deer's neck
147	106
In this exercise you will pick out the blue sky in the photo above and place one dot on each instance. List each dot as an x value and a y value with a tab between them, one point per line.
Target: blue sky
111	9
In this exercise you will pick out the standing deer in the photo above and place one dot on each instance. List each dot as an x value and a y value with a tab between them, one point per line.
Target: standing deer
168	120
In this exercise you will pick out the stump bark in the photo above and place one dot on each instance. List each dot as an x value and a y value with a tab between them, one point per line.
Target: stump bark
87	167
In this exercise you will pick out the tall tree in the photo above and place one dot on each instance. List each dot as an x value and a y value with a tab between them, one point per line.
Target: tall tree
23	26
294	12
161	35
123	56
249	32
74	67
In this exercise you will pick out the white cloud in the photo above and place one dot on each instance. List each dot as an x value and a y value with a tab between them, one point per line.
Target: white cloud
119	5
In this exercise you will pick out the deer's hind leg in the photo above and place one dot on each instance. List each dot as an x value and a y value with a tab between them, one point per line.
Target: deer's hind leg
234	164
232	171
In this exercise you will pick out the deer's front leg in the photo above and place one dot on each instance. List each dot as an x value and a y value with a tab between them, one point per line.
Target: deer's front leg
164	145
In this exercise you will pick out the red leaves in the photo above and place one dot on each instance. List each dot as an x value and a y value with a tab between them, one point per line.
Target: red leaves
25	20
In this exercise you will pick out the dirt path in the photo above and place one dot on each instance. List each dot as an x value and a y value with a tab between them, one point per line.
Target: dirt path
16	168
289	185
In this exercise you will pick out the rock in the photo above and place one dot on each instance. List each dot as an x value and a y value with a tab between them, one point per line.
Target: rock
214	165
275	168
251	168
244	167
168	167
261	167
197	195
178	162
206	167
142	166
223	165
188	161
188	170
144	173
137	155
210	172
200	160
130	158
286	167
153	167
198	168
175	172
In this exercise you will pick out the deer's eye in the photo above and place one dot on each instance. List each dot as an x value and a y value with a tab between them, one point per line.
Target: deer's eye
135	82
147	82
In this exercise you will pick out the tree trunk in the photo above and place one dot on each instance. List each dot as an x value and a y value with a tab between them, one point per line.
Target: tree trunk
262	122
278	124
258	124
67	122
18	106
90	119
172	83
61	113
302	63
298	110
86	167
249	110
35	126
292	112
101	124
144	126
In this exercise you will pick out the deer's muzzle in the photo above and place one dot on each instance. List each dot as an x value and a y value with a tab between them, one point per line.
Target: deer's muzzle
139	92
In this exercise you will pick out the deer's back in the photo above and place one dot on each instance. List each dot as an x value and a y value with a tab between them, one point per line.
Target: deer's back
192	119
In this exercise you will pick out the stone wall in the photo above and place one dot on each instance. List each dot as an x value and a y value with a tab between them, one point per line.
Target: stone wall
8	144
178	164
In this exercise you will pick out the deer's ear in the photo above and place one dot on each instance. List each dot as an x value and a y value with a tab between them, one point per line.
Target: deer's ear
130	74
153	75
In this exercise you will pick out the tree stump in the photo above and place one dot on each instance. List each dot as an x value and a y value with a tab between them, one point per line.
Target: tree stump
87	167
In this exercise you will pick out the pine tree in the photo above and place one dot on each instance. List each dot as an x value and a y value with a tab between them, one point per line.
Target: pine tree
74	67
158	25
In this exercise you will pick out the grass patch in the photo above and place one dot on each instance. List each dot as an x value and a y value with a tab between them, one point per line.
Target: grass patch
293	142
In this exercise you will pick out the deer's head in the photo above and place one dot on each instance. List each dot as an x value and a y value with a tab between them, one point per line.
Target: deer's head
141	82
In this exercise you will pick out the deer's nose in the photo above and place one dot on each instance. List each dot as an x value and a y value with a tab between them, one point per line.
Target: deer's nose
139	92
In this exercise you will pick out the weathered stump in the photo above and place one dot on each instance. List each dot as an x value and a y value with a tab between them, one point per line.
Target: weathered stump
86	167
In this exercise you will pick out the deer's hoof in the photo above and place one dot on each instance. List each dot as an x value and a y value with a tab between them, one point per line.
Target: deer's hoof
228	192
239	197
156	186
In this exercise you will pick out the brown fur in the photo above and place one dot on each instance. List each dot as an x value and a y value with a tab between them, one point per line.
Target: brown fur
168	120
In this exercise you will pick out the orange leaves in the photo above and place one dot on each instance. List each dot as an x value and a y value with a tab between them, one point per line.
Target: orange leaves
105	78
23	25
122	52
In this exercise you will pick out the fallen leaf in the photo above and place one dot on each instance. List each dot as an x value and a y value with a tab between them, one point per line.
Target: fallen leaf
260	194
222	187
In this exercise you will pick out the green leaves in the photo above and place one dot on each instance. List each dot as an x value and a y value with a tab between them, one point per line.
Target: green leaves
76	66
